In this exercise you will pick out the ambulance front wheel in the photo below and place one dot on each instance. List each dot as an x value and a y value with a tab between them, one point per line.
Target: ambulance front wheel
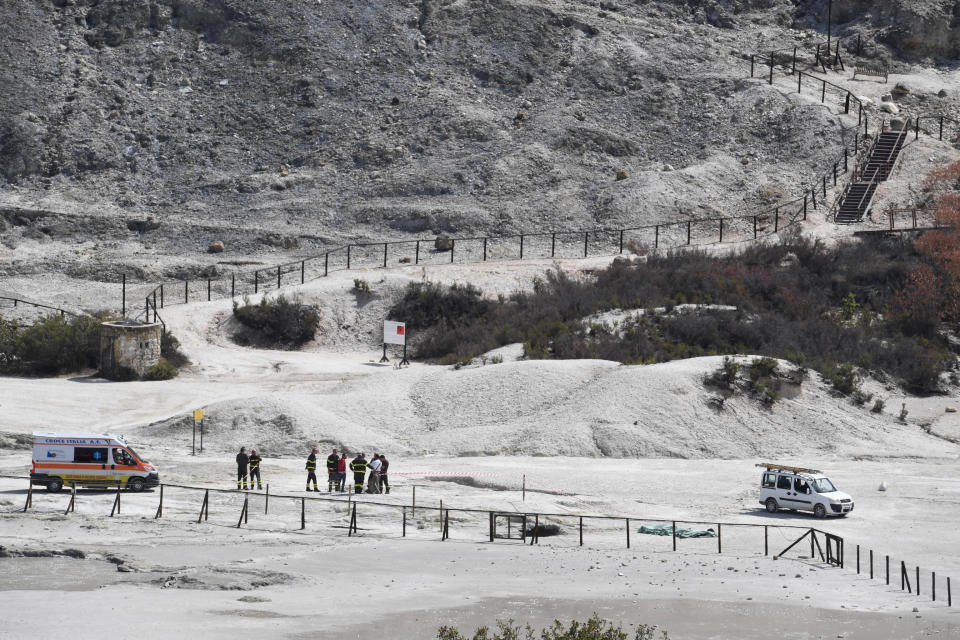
54	485
135	484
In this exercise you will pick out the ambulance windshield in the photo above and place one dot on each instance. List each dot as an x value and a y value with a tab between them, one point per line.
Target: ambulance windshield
136	455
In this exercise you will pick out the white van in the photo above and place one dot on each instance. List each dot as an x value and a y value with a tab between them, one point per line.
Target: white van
796	488
89	460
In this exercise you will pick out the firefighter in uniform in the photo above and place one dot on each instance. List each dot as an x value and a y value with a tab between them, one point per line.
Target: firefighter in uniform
255	468
242	460
332	460
359	467
312	469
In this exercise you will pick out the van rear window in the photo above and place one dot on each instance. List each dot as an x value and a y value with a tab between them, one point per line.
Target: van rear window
769	480
90	454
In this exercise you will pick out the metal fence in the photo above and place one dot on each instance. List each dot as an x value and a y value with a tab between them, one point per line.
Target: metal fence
359	517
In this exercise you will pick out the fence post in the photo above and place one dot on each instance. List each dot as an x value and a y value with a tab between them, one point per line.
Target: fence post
721	230
116	501
278	277
776	219
384	255
949	593
416	259
553	244
233	286
823	92
73	500
688	232
918	581
751	65
405	524
521	246
326	261
124	293
484	249
824	187
491	524
160	506
266	500
656	236
859	115
871	564
941	127
917	129
256	281
186	290
887	567
771	67
858	44
793	69
586	240
813	194
243	511
29	502
933	585
621	241
799	81
628	533
204	509
303	513
674	534
834	174
846	104
303	271
846	161
453	244
413	507
208	289
719	539
161	295
804	207
146	308
581	531
446	525
766	542
858	559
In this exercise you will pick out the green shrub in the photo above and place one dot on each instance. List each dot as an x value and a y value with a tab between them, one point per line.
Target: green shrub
170	350
878	406
593	629
843	378
284	321
55	344
163	370
726	376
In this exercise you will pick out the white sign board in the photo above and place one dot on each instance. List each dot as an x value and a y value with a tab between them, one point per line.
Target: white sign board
394	332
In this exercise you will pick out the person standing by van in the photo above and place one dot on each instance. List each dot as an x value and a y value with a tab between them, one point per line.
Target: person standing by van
255	468
332	461
341	472
242	461
359	467
312	469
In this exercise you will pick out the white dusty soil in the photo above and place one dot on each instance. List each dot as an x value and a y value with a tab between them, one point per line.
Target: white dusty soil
585	437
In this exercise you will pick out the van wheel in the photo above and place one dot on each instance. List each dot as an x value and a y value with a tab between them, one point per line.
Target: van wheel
135	484
771	505
820	511
55	485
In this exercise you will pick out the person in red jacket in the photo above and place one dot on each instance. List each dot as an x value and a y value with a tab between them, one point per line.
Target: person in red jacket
341	472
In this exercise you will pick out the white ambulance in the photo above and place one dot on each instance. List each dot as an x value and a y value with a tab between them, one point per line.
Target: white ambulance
89	460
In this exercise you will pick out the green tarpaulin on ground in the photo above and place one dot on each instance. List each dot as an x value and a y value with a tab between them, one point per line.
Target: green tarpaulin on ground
666	530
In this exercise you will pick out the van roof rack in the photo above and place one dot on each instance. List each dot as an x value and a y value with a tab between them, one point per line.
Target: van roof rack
772	466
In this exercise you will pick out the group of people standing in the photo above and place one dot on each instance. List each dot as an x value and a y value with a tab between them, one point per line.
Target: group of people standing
251	462
337	464
377	481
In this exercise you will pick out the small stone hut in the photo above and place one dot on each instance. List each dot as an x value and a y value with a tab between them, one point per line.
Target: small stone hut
128	346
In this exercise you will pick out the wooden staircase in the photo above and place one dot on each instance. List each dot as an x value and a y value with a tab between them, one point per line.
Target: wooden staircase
858	196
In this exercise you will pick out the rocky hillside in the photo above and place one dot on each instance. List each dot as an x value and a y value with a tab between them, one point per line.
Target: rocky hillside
287	125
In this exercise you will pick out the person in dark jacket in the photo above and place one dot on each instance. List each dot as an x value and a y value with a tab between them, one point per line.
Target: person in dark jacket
384	483
332	461
341	472
255	468
312	469
359	467
242	461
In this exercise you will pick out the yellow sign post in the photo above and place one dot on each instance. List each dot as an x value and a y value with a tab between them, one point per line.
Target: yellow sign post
197	417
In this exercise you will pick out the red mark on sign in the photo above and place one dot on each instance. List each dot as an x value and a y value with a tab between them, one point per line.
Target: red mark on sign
400	331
